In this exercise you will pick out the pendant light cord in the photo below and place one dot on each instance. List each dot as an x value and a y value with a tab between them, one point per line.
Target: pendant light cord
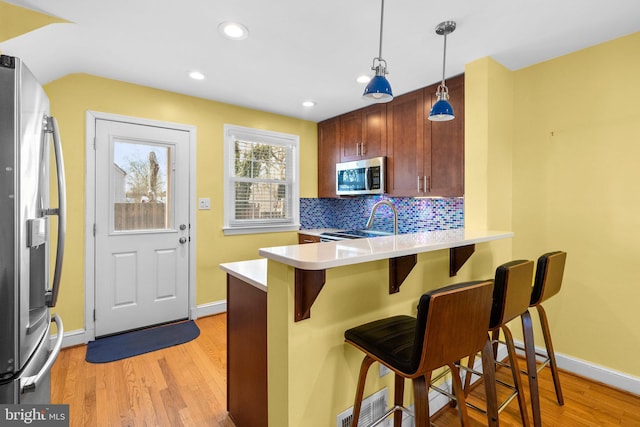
444	57
381	21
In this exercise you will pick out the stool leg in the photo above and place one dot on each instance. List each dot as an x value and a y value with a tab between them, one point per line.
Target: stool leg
532	372
421	400
364	368
468	374
495	339
515	371
398	400
459	393
489	374
546	332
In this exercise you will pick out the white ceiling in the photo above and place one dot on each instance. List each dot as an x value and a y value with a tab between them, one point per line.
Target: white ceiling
301	49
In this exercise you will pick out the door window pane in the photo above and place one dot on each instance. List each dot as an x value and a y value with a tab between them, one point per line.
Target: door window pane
141	186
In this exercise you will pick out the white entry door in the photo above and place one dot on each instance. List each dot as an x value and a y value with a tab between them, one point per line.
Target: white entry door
142	228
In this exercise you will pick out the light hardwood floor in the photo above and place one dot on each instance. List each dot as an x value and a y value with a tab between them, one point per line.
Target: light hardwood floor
185	385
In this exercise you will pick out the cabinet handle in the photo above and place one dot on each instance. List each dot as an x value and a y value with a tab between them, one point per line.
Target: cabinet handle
427	183
357	149
418	184
362	152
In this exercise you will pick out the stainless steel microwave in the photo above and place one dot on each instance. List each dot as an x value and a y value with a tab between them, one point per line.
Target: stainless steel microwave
361	177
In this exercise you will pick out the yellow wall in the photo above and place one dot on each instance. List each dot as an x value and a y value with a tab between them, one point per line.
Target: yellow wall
73	95
576	178
17	20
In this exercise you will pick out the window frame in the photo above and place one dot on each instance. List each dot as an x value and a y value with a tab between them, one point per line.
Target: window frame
266	225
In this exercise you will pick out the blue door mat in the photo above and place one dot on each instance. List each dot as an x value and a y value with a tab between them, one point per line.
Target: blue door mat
134	343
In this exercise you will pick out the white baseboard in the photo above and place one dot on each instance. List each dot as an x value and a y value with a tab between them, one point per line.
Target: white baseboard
210	309
70	338
594	372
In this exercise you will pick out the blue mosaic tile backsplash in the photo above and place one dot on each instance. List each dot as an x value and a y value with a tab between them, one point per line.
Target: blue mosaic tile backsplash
413	214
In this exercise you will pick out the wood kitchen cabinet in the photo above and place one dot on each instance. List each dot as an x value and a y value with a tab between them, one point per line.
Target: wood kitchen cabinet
308	238
246	353
446	163
425	158
363	133
405	148
328	156
360	134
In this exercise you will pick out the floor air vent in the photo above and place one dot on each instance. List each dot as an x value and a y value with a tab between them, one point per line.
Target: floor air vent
373	407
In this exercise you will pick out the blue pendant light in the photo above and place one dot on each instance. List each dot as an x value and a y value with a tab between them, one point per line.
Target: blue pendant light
442	109
379	89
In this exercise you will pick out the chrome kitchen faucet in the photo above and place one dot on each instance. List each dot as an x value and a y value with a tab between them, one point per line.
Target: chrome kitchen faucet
393	208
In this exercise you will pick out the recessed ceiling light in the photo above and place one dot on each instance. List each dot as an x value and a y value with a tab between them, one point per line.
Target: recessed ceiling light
363	78
233	30
196	75
308	103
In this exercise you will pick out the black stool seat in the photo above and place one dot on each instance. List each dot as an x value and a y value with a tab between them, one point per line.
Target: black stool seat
391	340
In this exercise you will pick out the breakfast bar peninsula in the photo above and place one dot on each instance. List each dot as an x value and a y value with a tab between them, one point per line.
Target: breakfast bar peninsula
287	313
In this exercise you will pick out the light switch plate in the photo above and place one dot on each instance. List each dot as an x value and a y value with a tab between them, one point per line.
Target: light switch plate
204	203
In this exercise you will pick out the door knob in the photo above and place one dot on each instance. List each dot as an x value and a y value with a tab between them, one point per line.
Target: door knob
183	227
183	240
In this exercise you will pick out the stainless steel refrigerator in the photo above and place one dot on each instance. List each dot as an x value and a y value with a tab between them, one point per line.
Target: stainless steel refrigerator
27	133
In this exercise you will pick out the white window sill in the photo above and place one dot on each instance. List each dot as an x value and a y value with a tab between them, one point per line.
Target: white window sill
232	231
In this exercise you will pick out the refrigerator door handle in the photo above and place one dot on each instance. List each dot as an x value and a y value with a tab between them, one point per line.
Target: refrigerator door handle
29	384
51	126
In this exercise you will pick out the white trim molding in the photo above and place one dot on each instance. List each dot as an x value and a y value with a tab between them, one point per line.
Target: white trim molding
591	371
210	309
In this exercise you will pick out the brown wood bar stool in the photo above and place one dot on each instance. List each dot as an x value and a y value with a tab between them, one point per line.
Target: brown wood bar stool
451	323
511	296
549	272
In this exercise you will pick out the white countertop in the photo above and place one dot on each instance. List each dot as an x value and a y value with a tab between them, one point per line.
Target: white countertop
320	256
253	271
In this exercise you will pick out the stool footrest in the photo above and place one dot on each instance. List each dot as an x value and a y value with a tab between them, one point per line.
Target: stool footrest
389	412
477	408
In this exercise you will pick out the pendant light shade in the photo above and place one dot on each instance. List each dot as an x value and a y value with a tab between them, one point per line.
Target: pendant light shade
442	109
379	89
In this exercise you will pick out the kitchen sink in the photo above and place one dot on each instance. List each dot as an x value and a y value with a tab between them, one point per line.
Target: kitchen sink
352	234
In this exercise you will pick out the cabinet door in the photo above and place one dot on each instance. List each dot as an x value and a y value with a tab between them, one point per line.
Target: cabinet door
446	163
405	149
363	133
374	131
328	156
350	136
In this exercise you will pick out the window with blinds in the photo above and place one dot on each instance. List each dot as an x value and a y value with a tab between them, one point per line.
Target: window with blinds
261	171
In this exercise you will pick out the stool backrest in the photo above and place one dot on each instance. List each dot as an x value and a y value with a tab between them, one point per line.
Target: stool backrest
549	272
511	291
452	323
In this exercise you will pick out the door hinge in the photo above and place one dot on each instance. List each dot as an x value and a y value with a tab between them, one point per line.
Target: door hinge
94	314
94	143
94	230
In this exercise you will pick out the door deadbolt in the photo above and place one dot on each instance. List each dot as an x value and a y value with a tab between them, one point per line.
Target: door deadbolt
183	227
